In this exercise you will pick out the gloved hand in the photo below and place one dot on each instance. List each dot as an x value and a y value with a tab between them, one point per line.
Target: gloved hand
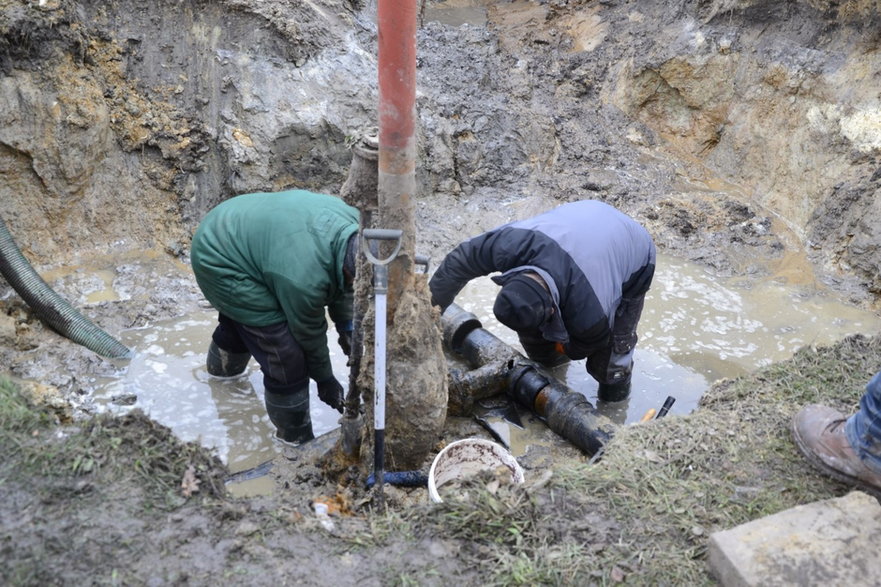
331	392
442	307
345	342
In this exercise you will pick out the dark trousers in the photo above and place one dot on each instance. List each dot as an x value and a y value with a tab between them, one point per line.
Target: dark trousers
285	377
280	356
608	364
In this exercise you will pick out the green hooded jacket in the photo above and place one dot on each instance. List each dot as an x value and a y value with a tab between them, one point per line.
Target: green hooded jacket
267	258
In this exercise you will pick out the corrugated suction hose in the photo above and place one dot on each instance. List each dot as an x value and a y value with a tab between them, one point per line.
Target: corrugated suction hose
50	306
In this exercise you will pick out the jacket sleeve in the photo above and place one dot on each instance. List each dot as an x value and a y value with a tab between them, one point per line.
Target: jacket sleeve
306	316
341	310
496	250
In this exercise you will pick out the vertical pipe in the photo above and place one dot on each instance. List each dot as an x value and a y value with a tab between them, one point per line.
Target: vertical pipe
396	20
417	395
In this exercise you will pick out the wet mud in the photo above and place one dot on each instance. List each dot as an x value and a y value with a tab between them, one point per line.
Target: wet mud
743	135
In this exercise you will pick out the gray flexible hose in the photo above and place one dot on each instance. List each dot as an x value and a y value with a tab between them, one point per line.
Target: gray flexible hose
50	306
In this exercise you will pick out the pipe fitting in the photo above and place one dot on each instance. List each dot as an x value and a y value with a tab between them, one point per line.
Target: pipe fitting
457	325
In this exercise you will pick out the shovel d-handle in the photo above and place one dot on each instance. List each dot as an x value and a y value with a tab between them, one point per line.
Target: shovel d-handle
381	234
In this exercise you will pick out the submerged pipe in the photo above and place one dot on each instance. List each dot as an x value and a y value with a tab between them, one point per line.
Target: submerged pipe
486	360
467	385
50	306
566	412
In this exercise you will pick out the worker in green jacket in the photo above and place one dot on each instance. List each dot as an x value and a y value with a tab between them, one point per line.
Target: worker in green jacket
275	265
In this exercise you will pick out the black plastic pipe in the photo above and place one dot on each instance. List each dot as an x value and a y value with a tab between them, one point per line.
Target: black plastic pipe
51	307
400	478
468	386
566	412
495	363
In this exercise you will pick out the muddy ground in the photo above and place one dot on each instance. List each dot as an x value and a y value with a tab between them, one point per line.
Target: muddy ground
743	134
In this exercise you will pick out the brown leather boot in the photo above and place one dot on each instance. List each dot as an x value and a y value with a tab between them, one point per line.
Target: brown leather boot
818	432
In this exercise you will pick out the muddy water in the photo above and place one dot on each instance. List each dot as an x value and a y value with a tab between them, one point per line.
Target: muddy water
456	13
696	329
168	380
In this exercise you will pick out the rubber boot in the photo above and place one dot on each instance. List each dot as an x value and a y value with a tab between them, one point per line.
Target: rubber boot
289	412
614	392
221	363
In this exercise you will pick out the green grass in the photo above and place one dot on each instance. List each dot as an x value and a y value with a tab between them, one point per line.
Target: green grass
644	513
17	416
105	447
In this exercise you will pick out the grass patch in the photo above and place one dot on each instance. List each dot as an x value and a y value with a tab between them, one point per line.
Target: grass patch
17	416
516	535
672	483
644	513
109	449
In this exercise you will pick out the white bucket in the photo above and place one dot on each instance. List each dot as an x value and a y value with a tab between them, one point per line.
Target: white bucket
467	457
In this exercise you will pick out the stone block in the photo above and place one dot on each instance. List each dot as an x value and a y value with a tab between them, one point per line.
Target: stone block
830	542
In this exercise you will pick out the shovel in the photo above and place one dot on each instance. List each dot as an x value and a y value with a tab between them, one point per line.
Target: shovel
372	238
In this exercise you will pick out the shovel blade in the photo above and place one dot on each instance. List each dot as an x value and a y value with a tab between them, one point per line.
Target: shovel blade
497	415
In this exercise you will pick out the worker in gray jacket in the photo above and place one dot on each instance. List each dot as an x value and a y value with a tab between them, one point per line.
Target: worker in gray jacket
573	282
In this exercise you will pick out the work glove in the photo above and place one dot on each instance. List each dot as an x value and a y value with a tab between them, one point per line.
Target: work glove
331	392
435	302
345	342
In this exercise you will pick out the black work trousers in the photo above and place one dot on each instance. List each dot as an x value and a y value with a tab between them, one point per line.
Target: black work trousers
280	356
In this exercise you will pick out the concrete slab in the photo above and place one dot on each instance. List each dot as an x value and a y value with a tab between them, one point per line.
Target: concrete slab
831	542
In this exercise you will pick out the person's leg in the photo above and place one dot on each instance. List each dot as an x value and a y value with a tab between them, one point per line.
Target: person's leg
627	317
541	351
285	379
612	367
863	429
228	355
612	371
844	448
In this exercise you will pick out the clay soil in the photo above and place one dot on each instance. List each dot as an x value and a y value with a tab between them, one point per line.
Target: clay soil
604	100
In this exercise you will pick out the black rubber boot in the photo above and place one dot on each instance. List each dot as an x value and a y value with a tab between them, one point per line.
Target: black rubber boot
289	412
221	363
614	392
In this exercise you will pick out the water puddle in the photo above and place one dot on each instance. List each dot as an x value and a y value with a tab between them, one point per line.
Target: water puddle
696	328
167	379
456	13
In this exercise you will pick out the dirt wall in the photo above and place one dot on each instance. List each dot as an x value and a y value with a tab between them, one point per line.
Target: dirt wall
735	130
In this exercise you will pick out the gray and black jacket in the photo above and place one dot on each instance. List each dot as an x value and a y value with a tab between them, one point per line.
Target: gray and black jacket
591	255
